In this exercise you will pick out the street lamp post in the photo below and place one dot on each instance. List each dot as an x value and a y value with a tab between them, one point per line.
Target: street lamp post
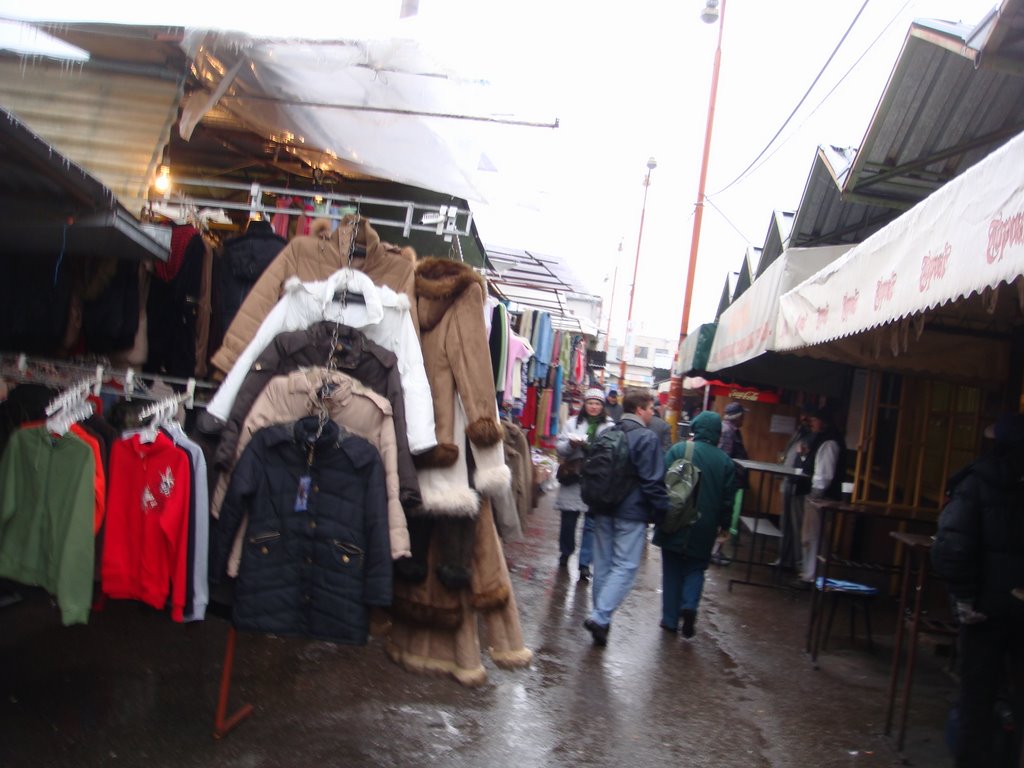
713	10
651	165
611	311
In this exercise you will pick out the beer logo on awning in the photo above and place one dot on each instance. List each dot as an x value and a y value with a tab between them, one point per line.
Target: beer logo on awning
934	267
822	316
884	290
850	304
1003	233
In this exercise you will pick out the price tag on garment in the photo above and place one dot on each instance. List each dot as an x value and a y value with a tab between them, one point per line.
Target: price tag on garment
302	495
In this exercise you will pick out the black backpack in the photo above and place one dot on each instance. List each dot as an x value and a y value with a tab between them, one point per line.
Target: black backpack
608	473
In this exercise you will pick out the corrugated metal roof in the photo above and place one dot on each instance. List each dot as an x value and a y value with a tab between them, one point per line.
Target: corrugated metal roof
113	124
539	281
49	204
823	217
1000	37
775	241
938	116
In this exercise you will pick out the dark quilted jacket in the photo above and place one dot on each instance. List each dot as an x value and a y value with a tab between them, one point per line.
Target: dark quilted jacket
314	566
979	547
360	358
244	259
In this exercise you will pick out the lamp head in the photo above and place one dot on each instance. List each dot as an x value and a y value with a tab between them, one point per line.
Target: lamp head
651	163
162	183
710	13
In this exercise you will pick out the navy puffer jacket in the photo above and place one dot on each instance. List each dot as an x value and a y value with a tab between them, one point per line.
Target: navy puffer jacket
647	501
979	547
317	553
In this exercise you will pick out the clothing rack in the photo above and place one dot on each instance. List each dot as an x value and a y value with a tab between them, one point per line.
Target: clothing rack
444	220
124	382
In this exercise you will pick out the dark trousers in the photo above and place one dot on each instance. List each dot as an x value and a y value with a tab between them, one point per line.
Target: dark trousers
567	536
992	655
682	583
790	550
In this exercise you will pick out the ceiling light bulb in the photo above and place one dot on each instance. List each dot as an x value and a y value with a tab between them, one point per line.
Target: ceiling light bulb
162	183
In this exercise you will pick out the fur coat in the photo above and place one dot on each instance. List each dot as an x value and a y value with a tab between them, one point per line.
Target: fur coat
450	303
315	257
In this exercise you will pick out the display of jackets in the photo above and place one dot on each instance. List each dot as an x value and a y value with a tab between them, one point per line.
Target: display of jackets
519	352
352	353
34	298
174	305
47	508
317	554
243	259
354	407
382	315
312	258
109	305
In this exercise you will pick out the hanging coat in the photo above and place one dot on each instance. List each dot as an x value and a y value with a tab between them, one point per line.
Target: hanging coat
457	359
383	316
315	257
316	555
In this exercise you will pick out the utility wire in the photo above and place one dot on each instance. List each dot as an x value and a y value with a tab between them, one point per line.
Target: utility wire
800	103
834	87
710	202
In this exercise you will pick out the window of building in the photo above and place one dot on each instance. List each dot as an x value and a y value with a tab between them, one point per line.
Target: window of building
642	352
915	434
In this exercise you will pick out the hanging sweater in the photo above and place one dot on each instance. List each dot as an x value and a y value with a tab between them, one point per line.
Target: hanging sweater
46	517
145	549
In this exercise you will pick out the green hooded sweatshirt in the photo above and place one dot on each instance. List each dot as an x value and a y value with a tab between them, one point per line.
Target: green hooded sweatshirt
715	496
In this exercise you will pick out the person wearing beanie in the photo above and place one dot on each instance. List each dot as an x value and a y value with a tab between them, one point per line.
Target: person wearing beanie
613	406
578	432
731	443
661	428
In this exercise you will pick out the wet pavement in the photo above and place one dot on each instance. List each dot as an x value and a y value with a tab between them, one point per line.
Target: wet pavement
131	688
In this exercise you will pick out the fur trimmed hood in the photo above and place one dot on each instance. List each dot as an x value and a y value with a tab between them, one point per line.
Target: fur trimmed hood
439	282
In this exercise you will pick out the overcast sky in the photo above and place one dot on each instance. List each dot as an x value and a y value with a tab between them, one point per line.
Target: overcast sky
627	83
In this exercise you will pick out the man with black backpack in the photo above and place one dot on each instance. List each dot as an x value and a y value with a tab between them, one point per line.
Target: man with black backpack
624	483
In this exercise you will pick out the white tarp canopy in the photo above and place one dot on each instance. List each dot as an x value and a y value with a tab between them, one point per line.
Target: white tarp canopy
954	248
746	328
384	108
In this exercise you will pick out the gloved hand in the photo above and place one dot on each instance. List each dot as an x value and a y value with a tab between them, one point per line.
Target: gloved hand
966	614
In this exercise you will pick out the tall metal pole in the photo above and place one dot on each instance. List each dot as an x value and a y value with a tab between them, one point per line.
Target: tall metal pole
611	311
651	165
675	391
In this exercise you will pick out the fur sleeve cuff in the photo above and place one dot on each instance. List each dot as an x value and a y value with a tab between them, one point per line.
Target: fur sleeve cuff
485	431
451	501
440	456
492	480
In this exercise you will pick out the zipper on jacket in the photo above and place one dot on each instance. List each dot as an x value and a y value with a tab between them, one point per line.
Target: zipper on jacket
263	539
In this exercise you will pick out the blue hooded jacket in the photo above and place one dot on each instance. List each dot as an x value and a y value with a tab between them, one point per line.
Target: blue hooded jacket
648	499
